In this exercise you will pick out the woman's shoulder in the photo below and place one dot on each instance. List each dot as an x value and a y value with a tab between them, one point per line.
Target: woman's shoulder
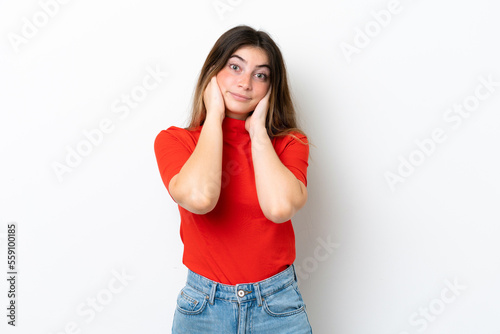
292	136
175	133
179	131
293	142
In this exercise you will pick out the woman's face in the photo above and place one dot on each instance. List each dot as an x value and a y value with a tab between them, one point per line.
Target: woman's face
244	81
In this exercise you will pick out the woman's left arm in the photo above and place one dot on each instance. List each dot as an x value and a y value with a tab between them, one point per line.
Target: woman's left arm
279	191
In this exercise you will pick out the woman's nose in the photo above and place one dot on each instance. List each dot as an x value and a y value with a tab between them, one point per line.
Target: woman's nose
245	81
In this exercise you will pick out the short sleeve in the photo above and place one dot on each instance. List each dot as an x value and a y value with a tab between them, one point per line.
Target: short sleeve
294	154
172	147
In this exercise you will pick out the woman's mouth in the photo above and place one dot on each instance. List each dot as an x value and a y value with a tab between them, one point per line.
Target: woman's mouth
239	97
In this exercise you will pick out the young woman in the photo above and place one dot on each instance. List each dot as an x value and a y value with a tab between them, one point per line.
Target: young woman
238	173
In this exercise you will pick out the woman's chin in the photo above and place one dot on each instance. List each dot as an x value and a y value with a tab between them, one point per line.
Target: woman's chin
237	114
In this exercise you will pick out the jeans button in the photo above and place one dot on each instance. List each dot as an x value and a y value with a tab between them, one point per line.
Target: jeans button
241	293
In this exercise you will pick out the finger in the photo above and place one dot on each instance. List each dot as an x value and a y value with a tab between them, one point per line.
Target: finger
209	85
216	83
269	91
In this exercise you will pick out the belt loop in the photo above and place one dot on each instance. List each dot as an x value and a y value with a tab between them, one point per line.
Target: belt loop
294	273
257	294
211	299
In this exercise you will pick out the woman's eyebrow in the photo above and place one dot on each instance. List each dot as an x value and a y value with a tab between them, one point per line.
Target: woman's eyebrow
243	60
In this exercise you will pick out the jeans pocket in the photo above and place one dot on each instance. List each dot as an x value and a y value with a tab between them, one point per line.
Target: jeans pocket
191	301
284	303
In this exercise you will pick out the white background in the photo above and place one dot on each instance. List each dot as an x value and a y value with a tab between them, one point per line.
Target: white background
374	259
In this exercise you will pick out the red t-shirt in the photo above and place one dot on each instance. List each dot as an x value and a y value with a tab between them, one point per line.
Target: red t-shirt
234	243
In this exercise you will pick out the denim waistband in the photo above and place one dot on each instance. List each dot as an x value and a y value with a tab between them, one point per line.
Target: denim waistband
242	292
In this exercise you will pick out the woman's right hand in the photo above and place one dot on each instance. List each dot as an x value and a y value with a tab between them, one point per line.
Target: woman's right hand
197	186
213	99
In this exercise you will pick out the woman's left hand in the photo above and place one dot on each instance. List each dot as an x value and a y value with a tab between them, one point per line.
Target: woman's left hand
258	117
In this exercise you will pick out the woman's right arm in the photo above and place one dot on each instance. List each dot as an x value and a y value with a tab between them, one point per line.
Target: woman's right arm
197	185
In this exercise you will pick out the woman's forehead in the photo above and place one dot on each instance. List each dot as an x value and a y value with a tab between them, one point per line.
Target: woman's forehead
251	54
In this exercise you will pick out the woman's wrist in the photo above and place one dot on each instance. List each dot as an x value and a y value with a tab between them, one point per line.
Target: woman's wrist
257	131
216	117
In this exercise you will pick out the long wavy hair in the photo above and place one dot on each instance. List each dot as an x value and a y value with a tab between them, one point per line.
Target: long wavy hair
281	117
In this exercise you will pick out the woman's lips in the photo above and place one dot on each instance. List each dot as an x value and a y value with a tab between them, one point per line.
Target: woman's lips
239	97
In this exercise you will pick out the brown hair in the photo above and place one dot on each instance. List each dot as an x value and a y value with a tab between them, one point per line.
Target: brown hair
281	119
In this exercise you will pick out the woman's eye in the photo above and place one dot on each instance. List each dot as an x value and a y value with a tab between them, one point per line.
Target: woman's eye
261	76
234	67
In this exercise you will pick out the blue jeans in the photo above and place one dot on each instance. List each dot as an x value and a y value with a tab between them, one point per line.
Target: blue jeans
273	305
